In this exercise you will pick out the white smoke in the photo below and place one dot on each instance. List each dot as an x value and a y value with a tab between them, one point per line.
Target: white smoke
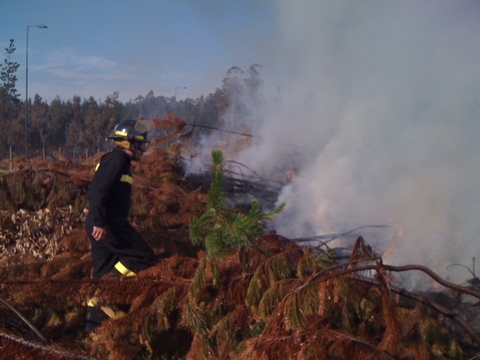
385	96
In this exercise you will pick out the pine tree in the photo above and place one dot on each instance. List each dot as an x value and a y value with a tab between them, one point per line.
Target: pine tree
11	135
221	230
8	75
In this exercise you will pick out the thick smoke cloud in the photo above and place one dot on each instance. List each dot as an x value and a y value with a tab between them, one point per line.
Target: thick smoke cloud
384	97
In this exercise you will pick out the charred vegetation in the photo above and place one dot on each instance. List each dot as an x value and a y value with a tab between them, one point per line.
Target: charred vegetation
257	296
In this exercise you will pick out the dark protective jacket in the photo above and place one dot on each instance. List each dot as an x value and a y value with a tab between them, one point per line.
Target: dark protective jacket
123	249
110	189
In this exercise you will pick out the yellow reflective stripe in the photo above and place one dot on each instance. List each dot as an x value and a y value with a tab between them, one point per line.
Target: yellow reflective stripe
121	133
125	134
126	178
122	269
112	311
92	302
96	167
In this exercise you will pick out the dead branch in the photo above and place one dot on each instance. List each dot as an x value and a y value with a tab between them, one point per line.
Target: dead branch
25	320
432	304
350	267
343	269
330	237
45	349
435	277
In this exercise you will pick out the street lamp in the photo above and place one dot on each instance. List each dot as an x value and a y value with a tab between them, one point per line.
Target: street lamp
178	87
26	89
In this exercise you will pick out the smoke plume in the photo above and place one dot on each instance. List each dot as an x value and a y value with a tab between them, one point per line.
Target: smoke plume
383	98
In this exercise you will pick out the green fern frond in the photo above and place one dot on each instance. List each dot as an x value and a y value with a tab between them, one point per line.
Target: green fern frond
256	288
195	319
215	274
274	295
325	259
300	304
278	268
163	306
272	348
232	328
293	311
200	227
274	269
266	276
199	279
307	265
216	194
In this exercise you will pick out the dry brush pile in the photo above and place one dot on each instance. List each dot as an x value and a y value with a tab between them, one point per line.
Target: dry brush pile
271	300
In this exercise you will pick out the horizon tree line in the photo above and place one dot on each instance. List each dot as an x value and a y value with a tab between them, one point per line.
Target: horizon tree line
79	126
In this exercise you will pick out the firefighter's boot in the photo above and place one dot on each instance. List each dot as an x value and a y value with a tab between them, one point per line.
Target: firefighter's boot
96	313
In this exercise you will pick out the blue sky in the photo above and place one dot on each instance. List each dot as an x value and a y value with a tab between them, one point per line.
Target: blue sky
96	47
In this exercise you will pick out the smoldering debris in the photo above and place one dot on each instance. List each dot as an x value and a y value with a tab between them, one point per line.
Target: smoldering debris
273	300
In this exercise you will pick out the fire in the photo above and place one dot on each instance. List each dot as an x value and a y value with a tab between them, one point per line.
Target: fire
398	233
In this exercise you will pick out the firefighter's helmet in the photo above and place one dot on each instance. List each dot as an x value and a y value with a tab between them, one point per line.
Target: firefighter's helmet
134	131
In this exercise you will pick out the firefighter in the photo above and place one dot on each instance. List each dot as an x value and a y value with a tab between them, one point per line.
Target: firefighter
117	247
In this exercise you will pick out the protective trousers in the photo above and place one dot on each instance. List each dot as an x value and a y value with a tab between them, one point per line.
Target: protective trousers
123	250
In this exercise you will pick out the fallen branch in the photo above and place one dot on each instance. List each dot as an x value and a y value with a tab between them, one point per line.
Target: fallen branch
45	349
25	320
337	271
432	304
434	276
